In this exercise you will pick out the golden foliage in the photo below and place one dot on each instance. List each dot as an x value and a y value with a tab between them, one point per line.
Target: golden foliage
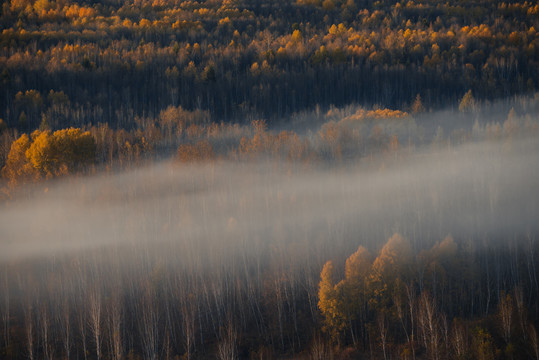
199	151
342	302
49	154
388	269
376	114
75	11
395	252
64	150
296	36
417	106
330	303
467	103
358	264
17	168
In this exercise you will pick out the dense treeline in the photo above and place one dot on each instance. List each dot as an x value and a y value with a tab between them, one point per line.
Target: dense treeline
334	137
260	240
74	64
456	300
267	264
424	305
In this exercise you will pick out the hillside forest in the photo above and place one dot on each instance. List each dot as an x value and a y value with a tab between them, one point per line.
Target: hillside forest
233	179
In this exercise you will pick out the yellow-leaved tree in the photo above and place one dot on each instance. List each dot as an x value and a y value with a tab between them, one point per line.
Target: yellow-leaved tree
61	152
467	103
47	154
17	168
330	302
345	301
388	270
356	271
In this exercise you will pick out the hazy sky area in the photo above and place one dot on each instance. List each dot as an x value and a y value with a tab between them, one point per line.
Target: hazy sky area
480	190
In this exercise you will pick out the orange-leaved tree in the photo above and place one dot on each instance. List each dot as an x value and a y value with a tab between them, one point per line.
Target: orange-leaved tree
48	154
330	302
344	302
61	152
17	168
389	270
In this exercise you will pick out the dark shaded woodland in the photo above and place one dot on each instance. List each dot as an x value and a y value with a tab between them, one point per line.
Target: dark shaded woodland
261	267
81	63
269	179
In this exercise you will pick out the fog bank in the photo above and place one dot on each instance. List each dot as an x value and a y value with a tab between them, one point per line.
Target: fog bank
474	191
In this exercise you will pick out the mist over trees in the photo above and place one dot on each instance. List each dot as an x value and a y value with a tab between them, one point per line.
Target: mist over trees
382	233
426	253
233	179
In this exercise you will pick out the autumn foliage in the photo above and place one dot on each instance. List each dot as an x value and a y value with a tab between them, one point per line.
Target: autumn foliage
144	57
404	303
48	154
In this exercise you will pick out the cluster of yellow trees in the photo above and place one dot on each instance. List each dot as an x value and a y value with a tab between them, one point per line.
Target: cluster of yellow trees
367	282
344	133
230	57
404	303
338	141
46	154
409	42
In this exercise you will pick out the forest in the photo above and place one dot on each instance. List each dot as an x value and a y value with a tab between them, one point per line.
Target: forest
110	61
292	179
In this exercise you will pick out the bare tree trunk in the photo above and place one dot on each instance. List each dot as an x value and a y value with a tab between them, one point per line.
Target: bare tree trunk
382	329
115	323
428	322
29	330
319	349
521	311
459	341
445	333
64	321
534	341
44	320
532	269
148	323
5	311
94	318
410	294
188	322
227	345
167	347
397	301
505	313
82	329
279	303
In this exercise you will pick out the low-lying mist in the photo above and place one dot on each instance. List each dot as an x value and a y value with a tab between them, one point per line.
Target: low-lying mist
474	191
223	257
